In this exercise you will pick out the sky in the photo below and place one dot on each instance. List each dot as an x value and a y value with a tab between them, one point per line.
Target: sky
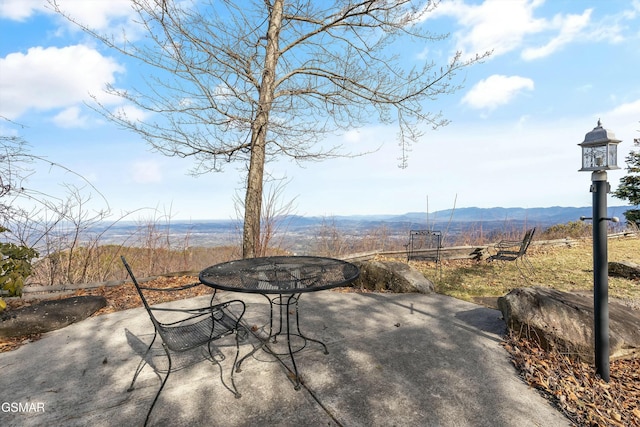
557	68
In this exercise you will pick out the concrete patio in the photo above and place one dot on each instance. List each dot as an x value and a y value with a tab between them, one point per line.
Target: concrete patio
395	359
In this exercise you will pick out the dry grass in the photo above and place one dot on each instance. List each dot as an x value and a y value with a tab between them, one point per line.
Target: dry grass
563	268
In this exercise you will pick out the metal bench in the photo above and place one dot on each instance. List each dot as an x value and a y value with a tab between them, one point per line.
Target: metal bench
425	245
510	250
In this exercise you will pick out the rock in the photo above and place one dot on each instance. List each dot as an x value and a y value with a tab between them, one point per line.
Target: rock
391	276
48	316
564	322
628	270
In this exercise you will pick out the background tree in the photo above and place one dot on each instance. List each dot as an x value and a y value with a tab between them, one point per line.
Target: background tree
15	260
249	81
15	267
629	188
37	225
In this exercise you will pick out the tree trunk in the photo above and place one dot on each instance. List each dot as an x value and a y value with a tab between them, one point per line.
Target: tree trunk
255	177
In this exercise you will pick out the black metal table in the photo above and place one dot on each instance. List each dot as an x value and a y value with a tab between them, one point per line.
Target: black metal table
287	277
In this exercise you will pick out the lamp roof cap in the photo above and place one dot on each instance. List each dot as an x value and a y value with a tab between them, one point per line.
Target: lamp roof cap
600	135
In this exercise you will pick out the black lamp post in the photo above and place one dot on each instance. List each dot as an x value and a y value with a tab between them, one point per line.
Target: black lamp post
599	154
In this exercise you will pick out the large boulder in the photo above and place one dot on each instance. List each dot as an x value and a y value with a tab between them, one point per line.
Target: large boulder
564	321
391	276
49	315
625	269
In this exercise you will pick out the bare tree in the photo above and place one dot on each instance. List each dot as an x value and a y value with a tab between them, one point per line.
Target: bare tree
277	211
50	224
252	80
14	168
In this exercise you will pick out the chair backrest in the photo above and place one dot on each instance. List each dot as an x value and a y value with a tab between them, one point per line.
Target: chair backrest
139	289
526	241
424	240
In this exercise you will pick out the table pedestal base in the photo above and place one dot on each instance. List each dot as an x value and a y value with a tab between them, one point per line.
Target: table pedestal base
286	304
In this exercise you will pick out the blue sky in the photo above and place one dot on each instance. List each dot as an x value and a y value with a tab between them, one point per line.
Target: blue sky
557	67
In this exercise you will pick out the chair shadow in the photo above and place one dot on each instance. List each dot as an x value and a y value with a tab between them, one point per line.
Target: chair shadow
156	358
180	361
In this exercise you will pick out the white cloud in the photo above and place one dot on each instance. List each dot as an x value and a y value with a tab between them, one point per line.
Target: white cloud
70	118
507	25
629	109
52	78
496	90
493	25
615	28
146	172
131	113
585	88
623	121
100	14
19	10
570	26
352	136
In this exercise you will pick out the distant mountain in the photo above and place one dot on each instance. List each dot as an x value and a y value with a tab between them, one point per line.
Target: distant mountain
542	216
493	217
302	229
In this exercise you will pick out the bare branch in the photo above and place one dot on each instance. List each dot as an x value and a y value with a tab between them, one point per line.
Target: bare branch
255	80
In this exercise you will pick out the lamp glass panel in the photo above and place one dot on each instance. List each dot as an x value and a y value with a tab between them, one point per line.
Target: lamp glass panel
594	158
613	155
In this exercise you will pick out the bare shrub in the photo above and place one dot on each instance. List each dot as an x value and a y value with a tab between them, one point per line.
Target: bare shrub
277	212
329	240
571	230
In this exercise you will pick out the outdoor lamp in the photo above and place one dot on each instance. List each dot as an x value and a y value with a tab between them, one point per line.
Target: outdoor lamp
599	154
599	150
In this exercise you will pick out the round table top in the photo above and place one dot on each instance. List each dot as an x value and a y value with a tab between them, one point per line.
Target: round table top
280	274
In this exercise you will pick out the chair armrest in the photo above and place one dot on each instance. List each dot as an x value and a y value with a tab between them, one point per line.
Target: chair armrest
504	244
200	310
222	308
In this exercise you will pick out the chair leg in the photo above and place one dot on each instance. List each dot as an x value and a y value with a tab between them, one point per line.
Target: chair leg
523	268
529	266
142	363
233	389
241	334
164	381
235	360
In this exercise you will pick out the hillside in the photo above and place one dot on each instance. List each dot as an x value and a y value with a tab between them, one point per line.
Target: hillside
299	231
541	216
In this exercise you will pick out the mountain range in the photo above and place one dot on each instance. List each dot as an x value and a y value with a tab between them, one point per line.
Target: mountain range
301	229
535	216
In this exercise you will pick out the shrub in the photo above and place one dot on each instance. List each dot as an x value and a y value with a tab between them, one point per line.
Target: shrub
571	229
633	218
629	188
15	267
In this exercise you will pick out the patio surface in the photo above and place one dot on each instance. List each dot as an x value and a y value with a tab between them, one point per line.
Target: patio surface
394	359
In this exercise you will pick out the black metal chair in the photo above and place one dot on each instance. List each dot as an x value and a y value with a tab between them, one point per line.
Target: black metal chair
516	251
198	326
425	245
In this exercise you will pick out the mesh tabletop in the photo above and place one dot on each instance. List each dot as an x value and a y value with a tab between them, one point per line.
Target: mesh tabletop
280	274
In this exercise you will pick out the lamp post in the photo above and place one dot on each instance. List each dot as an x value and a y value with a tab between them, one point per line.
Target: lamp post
599	154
